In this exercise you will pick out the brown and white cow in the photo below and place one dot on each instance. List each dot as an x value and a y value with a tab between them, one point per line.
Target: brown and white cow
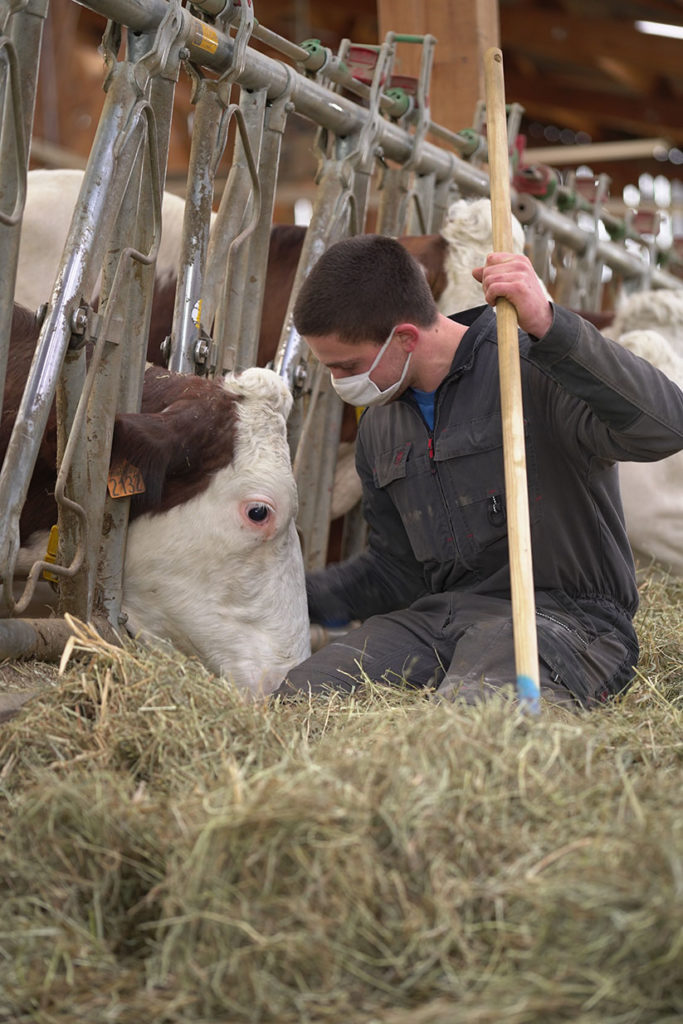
50	200
213	562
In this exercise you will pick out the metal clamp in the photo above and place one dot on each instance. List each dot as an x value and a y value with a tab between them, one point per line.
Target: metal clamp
173	31
421	113
366	148
11	7
245	27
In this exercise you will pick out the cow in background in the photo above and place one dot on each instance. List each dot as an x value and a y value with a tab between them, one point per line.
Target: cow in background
659	309
51	197
213	562
650	323
468	235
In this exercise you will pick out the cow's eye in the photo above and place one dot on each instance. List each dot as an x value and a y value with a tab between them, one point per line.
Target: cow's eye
258	512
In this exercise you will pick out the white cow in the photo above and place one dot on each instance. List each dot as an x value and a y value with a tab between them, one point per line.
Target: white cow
469	234
51	196
652	492
213	562
659	309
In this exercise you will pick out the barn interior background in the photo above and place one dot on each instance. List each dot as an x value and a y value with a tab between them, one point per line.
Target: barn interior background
172	853
598	91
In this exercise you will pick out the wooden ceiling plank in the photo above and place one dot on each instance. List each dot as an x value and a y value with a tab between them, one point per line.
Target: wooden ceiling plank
643	116
633	78
553	35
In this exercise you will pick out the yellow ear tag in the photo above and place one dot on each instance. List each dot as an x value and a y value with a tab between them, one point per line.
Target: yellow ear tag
51	554
124	479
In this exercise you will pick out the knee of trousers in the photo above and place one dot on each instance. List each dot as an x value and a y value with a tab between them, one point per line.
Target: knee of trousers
334	668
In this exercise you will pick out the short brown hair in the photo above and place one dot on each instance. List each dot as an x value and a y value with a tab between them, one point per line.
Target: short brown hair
360	288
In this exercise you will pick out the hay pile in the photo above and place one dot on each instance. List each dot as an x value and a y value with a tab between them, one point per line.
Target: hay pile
170	853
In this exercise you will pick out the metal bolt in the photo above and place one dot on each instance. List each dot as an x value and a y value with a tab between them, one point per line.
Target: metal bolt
79	320
201	351
300	375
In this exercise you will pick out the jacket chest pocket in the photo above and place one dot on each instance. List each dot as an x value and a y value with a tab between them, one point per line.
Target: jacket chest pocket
453	505
407	477
470	466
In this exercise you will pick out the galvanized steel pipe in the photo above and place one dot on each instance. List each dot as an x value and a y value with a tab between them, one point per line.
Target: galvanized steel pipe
567	232
214	50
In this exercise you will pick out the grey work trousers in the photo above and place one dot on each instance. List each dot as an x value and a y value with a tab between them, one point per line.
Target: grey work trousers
460	645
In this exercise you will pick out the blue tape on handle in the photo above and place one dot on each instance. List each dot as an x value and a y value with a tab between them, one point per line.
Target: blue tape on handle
529	694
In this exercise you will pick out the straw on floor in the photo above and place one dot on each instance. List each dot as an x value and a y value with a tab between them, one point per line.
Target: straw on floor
172	853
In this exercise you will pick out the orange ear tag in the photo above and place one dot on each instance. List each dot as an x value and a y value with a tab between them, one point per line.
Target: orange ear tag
124	480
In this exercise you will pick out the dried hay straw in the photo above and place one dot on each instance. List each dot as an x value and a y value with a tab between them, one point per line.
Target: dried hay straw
173	853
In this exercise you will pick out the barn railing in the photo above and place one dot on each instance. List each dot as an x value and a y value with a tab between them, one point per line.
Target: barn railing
114	237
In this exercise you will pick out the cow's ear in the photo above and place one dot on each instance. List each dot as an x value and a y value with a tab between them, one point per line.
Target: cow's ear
177	450
430	252
142	440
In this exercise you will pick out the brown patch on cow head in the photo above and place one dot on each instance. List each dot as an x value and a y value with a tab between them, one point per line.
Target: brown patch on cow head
184	433
430	251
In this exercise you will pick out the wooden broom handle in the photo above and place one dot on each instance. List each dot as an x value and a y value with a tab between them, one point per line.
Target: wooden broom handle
514	454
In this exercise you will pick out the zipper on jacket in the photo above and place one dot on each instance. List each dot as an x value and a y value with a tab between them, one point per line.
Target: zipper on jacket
496	510
569	629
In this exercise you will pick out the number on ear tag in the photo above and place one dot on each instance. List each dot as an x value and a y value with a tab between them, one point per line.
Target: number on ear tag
124	480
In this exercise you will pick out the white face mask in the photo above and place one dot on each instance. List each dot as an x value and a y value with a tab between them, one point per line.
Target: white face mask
360	390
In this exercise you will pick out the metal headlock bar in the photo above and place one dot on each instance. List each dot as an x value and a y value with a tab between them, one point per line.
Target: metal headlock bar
115	231
565	231
211	48
21	33
123	174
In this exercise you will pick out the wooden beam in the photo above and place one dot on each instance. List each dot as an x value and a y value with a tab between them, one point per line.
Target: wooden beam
464	31
596	152
559	37
634	79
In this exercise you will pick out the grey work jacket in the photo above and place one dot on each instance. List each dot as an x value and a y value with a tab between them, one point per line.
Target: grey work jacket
435	500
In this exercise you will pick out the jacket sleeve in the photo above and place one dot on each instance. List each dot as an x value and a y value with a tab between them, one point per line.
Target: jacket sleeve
384	577
632	413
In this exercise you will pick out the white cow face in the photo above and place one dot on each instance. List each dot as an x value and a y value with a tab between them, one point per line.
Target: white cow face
221	576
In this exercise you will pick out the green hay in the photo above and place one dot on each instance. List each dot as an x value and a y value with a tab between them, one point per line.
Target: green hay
173	853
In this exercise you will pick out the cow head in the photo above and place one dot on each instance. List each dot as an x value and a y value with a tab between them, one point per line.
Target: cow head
213	560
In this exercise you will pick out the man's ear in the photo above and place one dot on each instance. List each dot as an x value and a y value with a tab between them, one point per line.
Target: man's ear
408	336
